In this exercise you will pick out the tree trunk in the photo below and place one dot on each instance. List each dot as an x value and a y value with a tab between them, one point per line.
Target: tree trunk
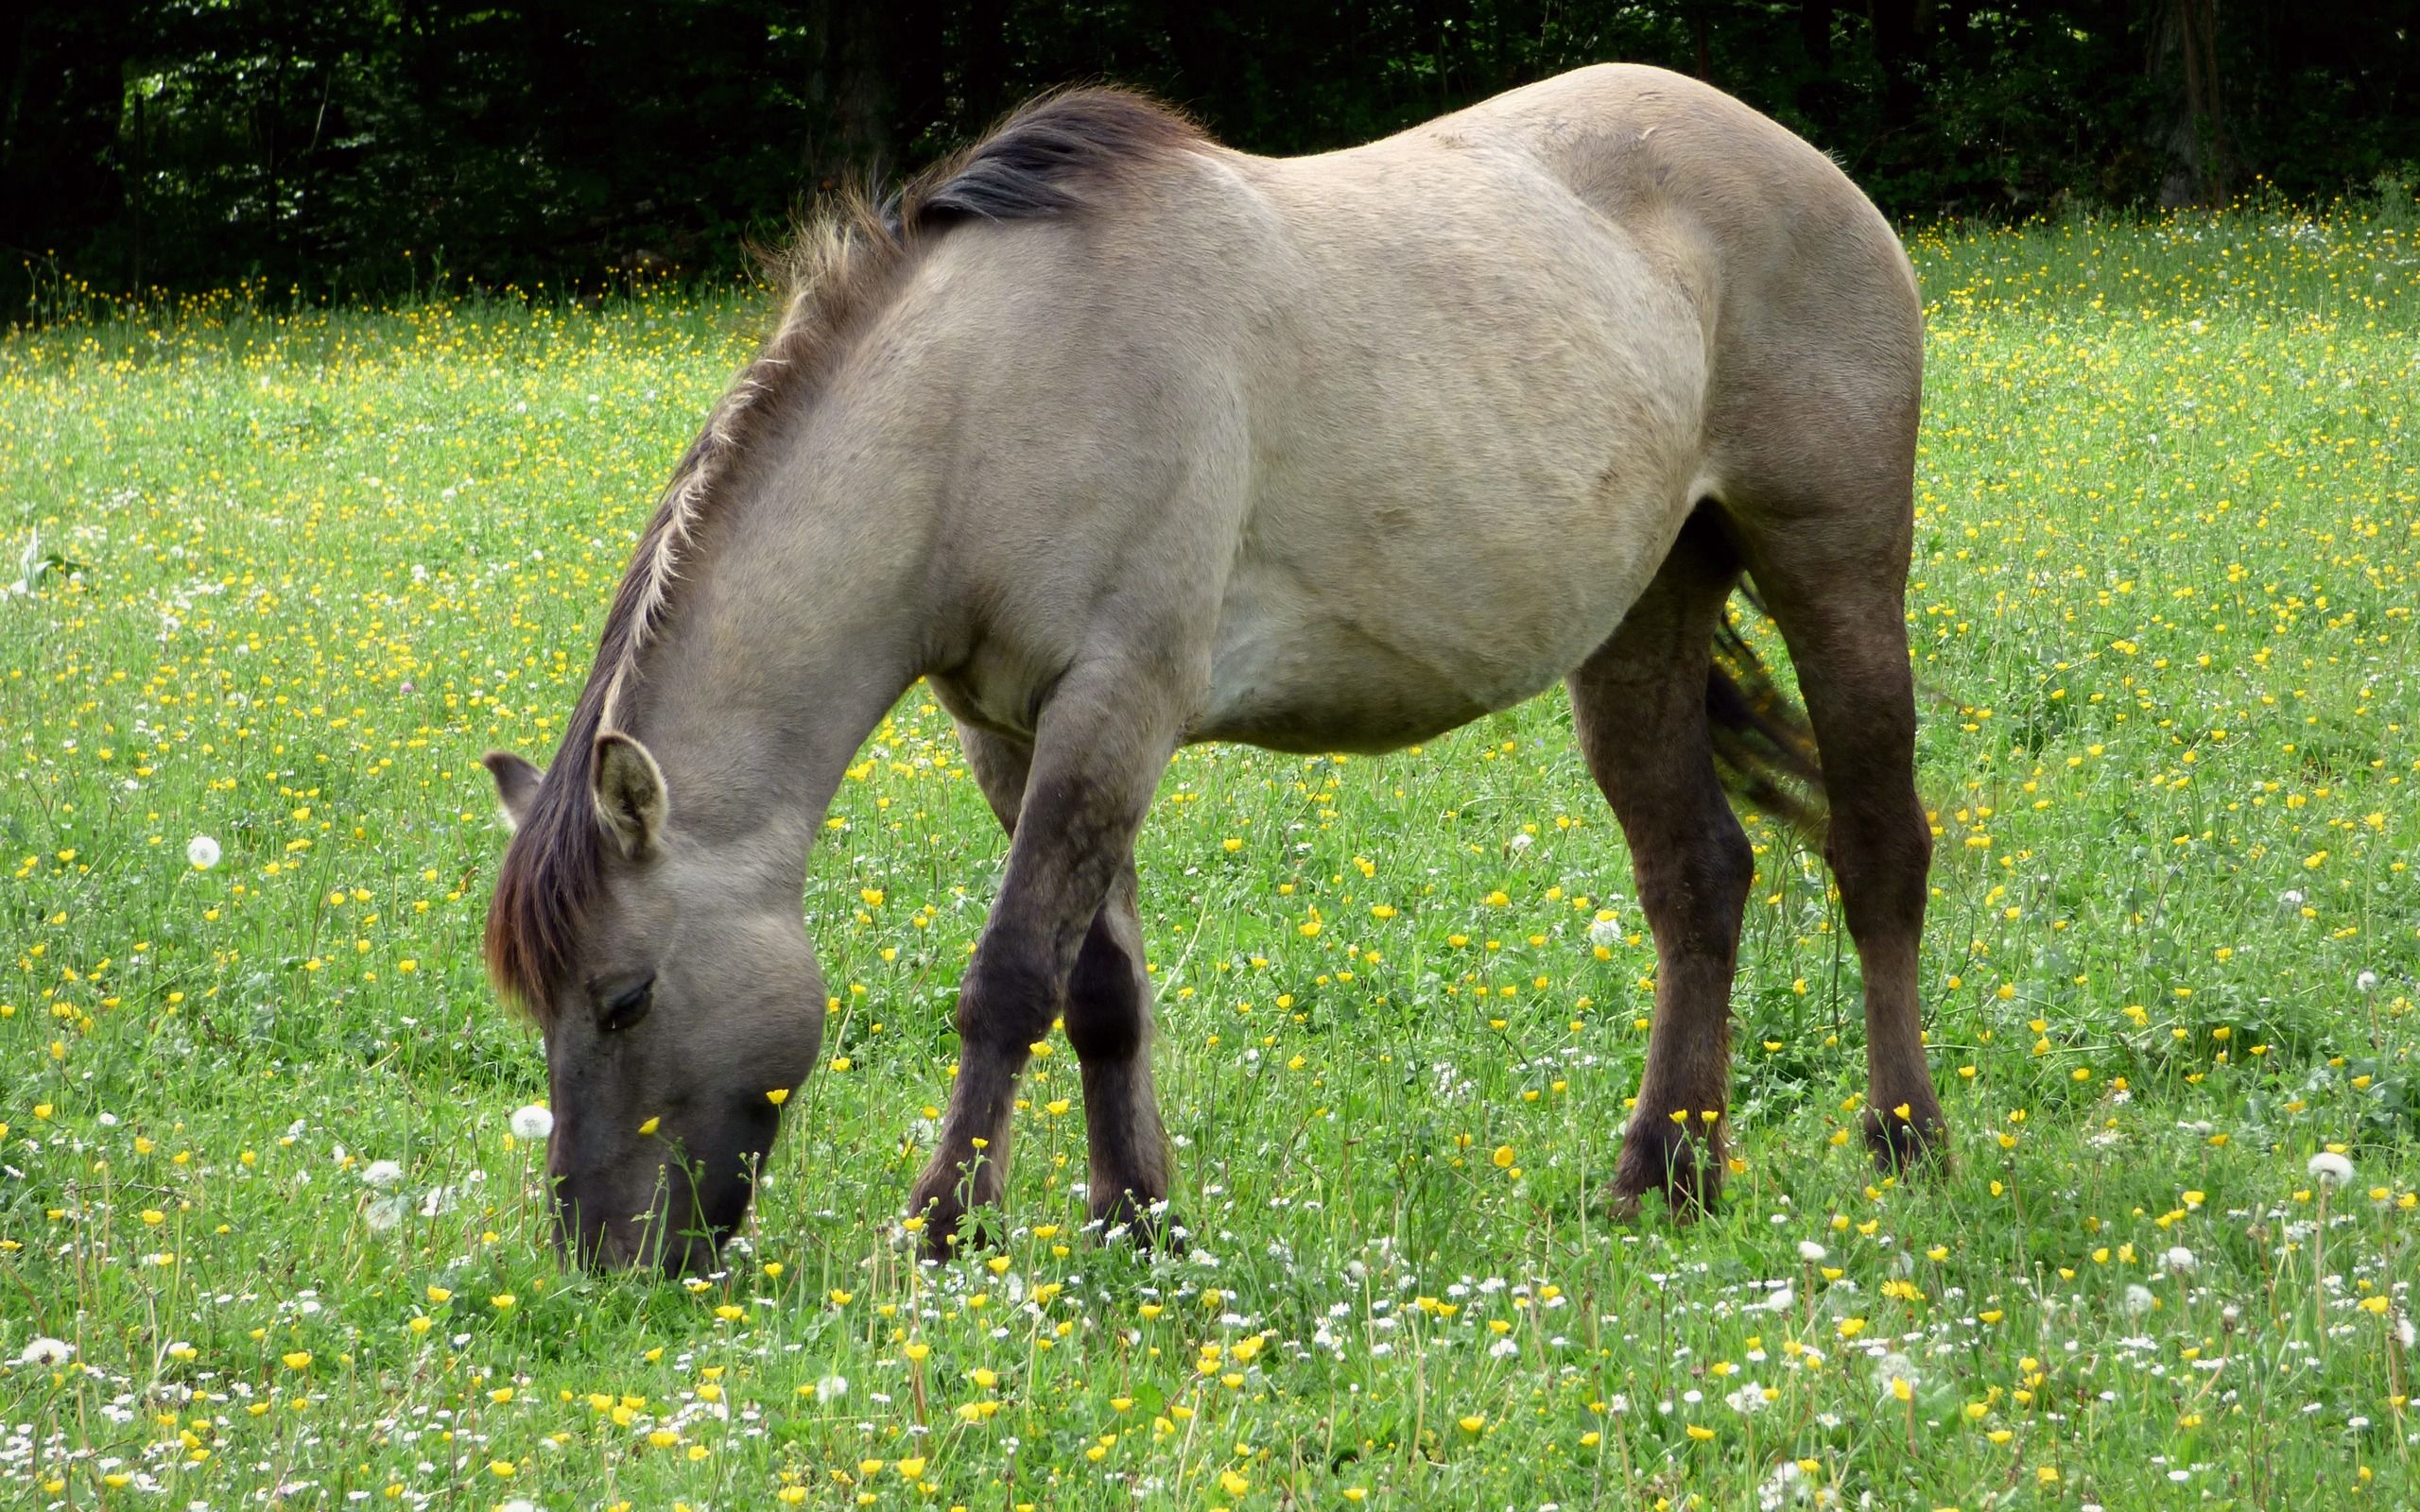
2185	58
851	90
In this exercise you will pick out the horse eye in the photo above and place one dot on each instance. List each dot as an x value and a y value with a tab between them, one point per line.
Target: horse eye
627	1006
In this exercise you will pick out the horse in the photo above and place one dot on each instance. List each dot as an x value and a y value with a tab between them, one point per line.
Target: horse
1122	440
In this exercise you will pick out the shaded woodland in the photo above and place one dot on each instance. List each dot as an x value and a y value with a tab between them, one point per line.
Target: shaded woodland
363	145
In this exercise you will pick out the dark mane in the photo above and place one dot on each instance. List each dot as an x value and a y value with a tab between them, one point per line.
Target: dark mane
1065	154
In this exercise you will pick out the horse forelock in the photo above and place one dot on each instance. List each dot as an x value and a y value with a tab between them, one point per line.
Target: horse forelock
1061	155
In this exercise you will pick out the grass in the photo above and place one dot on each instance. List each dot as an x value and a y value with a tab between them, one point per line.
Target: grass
302	567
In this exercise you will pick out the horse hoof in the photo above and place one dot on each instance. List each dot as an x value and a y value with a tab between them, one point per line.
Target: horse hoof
1146	1226
1658	1158
951	1228
1916	1140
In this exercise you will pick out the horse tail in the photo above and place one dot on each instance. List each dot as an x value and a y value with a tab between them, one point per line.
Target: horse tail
1764	748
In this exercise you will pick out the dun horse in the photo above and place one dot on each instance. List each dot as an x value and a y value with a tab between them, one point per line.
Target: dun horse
1125	440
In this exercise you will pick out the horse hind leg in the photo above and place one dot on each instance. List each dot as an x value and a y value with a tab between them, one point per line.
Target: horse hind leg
1834	581
1639	710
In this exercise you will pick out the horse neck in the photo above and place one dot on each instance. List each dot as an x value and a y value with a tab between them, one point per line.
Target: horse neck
794	629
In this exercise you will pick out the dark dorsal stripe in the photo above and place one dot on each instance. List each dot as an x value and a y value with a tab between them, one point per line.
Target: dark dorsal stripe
1062	155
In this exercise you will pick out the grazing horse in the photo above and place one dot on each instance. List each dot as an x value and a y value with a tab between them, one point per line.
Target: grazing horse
1124	440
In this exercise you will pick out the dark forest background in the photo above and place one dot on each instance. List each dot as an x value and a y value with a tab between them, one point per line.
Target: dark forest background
359	145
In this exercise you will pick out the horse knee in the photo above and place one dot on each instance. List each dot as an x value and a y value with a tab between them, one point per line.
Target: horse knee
1005	1002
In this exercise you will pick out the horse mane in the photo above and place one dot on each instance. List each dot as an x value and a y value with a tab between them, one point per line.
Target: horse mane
1065	154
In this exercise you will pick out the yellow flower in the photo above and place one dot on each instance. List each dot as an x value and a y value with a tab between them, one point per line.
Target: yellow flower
778	1096
1472	1423
1503	1156
299	1359
439	1296
649	1127
502	1301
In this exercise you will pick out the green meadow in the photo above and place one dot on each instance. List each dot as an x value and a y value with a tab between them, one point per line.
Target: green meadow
275	577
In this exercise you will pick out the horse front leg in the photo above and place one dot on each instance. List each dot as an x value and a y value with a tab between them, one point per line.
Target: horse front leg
1103	740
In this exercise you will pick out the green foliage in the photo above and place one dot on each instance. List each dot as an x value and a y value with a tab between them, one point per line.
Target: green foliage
380	146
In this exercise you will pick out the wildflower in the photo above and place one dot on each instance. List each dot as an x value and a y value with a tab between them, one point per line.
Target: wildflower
1812	1252
2330	1169
531	1122
202	852
2139	1300
2179	1260
1785	1486
381	1174
778	1096
831	1388
45	1353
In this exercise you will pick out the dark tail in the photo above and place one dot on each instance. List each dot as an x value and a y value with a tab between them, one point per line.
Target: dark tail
1763	746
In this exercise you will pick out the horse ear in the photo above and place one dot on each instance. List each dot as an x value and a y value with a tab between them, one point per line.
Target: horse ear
516	784
630	792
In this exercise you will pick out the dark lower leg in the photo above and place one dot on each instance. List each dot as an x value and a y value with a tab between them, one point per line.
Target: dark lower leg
1850	647
1639	710
1880	858
1109	1024
1098	754
1693	883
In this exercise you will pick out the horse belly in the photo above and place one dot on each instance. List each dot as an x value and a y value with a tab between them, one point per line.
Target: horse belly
1419	640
